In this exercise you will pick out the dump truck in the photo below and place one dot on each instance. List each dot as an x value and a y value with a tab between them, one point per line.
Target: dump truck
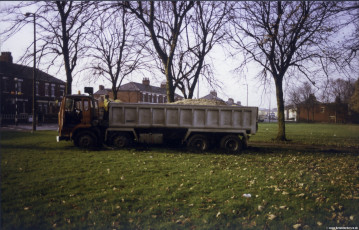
199	127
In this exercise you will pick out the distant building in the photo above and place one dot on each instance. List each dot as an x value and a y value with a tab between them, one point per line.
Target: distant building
326	112
134	92
231	102
213	96
268	115
290	113
16	92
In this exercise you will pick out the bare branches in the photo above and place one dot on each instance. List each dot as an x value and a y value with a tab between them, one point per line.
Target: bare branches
60	31
164	23
116	46
204	29
284	35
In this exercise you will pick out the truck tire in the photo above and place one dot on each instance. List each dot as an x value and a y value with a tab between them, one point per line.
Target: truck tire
86	140
198	143
231	144
121	140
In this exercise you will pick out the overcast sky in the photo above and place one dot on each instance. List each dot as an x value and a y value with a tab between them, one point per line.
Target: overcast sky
232	85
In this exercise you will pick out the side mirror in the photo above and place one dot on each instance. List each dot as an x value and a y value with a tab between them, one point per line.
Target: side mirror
89	90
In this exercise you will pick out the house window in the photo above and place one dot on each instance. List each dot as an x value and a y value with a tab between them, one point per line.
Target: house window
23	107
46	89
62	90
52	90
18	86
5	84
39	107
37	88
322	109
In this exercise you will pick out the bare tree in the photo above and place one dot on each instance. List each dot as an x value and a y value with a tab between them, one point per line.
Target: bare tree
351	43
163	23
338	90
115	46
204	28
304	97
60	26
354	100
281	36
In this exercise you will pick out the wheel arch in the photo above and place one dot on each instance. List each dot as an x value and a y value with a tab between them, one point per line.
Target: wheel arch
94	131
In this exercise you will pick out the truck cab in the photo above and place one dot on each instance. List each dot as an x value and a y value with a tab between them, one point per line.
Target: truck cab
79	121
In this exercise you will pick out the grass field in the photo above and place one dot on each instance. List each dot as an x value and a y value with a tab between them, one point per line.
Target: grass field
312	134
47	185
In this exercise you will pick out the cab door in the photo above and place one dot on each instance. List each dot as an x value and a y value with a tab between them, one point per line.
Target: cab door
86	111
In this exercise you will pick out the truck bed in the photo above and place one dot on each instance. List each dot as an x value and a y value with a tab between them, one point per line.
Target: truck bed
202	117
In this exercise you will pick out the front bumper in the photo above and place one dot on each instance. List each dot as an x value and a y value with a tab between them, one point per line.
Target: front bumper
59	138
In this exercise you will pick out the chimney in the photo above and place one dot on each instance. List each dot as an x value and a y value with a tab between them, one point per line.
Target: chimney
101	87
146	81
163	85
6	57
230	101
214	93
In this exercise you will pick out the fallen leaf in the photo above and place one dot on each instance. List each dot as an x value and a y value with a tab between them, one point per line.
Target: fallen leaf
247	195
300	195
271	217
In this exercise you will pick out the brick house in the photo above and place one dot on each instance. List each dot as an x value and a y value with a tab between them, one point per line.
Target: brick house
326	112
213	96
134	92
16	92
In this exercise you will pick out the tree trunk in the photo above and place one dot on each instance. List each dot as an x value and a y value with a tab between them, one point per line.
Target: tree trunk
280	105
169	85
114	92
68	71
68	85
65	45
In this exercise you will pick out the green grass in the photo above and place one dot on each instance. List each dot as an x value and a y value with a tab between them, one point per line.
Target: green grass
312	134
46	185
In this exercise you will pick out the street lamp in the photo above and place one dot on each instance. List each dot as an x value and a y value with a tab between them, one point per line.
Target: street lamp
16	111
33	76
247	92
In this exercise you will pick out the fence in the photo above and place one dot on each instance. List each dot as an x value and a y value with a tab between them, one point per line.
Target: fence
24	118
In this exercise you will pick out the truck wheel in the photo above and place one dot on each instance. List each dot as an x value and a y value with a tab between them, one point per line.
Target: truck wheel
86	140
198	143
121	141
231	144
